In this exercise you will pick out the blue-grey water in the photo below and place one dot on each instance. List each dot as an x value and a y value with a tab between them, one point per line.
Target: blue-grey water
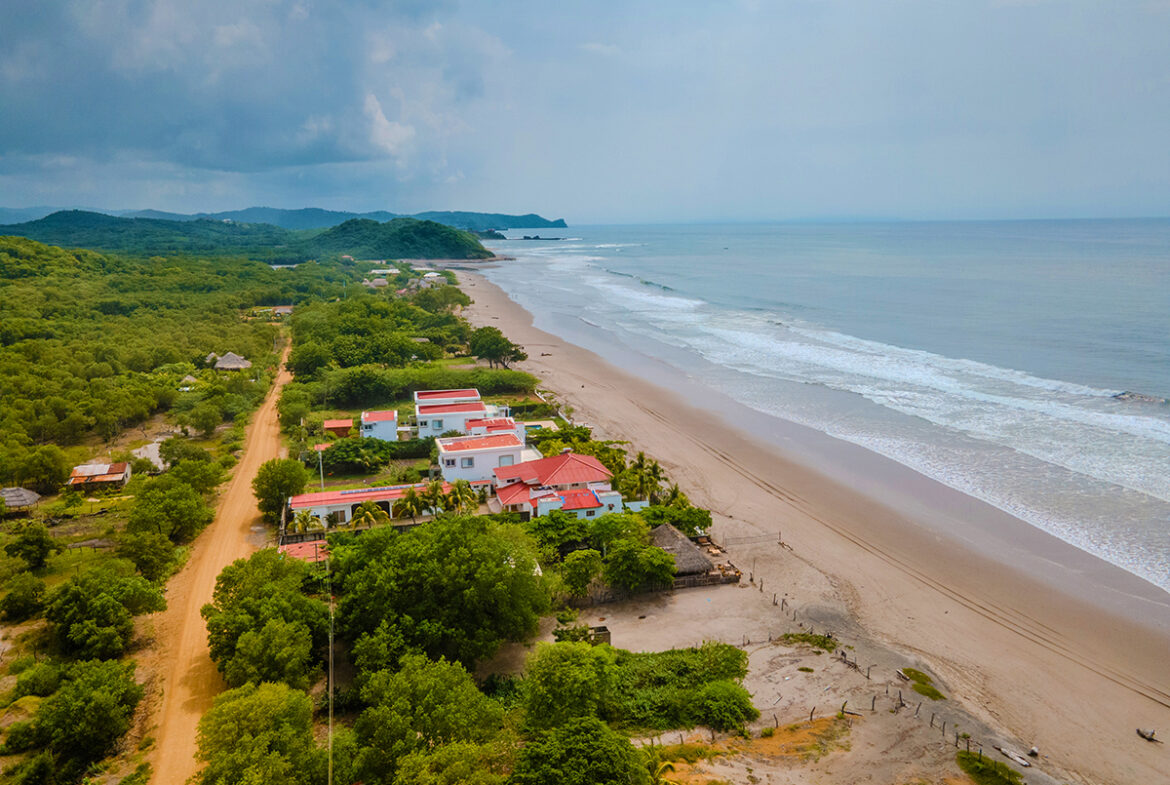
985	355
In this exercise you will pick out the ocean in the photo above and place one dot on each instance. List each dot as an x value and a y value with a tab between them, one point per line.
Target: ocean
986	355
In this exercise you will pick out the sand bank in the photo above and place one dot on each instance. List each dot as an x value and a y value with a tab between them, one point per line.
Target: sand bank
1036	637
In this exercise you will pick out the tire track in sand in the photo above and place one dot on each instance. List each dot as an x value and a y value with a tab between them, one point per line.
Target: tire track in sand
189	679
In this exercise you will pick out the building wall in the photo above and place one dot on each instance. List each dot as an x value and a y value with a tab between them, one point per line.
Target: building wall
483	462
386	431
447	422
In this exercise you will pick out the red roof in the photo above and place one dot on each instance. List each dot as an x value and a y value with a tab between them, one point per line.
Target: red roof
425	410
98	472
387	493
564	469
579	500
439	395
328	424
313	551
462	443
383	416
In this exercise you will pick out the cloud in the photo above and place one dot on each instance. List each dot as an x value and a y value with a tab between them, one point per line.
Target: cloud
385	135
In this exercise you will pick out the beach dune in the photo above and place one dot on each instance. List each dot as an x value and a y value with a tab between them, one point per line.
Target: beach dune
1035	637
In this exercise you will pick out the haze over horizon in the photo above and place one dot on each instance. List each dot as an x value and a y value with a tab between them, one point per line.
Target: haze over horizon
598	113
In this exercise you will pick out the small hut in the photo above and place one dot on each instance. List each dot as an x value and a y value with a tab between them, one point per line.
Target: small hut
232	362
18	498
689	558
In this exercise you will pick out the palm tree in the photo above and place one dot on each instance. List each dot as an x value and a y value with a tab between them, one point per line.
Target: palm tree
411	504
658	773
433	496
463	497
675	497
305	521
368	514
643	478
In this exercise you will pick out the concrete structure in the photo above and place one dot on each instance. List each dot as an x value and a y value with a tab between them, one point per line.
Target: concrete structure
380	425
572	483
91	476
474	458
439	411
339	428
337	507
490	425
466	395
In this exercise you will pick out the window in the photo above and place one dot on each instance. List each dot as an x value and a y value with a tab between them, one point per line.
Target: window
507	460
467	463
589	513
422	423
437	425
449	462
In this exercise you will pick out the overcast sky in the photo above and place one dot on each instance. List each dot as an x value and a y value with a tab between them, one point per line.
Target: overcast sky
592	111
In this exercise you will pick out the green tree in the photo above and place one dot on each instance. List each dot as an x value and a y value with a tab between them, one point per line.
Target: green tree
412	504
203	476
33	544
564	681
44	469
488	343
25	597
607	529
421	706
259	735
275	482
170	508
81	722
579	570
151	552
305	521
457	763
368	514
92	613
724	706
176	449
558	529
631	566
584	751
463	498
205	418
455	588
250	594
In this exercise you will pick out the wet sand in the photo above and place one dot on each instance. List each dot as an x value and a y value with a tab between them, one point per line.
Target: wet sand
1049	644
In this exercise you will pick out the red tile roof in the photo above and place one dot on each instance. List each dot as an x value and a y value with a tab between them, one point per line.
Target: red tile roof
439	395
520	493
313	551
565	469
493	423
426	410
579	500
388	493
462	443
516	493
383	416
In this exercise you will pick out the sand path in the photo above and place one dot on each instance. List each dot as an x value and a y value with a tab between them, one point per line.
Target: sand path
189	679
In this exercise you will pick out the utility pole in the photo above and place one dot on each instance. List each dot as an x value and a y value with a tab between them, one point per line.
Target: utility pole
329	584
320	467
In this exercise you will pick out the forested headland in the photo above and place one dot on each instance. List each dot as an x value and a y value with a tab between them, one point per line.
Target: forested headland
399	238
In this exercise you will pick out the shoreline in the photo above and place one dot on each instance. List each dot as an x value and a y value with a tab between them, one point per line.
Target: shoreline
1030	655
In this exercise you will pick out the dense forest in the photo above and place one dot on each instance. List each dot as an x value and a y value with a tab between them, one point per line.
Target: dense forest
400	238
316	218
91	344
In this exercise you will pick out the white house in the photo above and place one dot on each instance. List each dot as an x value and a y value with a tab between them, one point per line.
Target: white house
380	425
337	507
572	483
474	458
489	425
466	395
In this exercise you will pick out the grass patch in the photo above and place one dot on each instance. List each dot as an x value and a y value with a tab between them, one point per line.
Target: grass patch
808	639
923	684
987	771
687	753
829	739
805	669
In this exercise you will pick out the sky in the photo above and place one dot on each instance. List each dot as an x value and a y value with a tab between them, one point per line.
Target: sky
597	112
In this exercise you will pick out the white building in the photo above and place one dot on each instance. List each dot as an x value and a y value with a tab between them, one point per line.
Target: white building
466	395
474	458
380	425
337	507
490	425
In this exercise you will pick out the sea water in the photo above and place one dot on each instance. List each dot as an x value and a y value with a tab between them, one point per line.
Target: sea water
986	355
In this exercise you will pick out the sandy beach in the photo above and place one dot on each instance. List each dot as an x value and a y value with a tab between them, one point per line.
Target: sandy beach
1037	639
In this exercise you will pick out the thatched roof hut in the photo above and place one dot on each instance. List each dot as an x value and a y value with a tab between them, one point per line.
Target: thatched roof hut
689	558
232	362
16	498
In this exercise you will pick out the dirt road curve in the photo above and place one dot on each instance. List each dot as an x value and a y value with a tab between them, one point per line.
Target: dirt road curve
189	680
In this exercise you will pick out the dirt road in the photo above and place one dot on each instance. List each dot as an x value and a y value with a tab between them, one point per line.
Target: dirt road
189	679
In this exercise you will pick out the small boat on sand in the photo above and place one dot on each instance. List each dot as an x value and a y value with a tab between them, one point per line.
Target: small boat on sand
1014	756
1148	735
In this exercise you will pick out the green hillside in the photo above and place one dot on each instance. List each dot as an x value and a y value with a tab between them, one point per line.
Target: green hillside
401	238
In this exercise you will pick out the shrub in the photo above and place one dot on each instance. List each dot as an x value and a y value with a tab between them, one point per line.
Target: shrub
25	598
724	706
986	771
42	679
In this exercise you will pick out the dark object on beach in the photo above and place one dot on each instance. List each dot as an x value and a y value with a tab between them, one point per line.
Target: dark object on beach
1142	397
1148	735
538	237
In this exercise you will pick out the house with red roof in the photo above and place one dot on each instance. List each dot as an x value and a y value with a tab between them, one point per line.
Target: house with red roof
474	458
339	428
91	476
440	411
576	484
485	426
337	507
380	425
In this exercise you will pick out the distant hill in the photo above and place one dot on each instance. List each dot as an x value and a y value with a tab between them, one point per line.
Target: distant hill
401	238
316	218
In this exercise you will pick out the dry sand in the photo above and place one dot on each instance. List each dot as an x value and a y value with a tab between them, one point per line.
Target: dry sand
1017	637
